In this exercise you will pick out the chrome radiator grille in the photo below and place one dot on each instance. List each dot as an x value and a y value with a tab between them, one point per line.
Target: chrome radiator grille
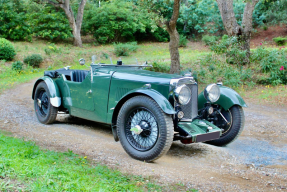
190	109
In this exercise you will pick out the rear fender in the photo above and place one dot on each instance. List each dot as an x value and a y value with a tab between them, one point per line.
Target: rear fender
55	96
228	98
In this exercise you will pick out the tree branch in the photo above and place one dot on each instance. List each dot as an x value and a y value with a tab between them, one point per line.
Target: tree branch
80	14
175	15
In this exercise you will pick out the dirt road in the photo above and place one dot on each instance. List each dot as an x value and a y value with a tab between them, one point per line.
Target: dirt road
257	161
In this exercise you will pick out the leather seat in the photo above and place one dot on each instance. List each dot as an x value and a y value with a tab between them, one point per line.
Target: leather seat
78	75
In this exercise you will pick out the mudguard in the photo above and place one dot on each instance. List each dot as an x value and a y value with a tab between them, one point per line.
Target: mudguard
228	98
155	95
55	96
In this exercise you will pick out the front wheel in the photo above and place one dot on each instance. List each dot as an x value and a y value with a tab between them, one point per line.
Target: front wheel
230	131
45	111
144	130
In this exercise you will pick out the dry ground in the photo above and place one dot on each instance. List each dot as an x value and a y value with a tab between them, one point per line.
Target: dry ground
257	161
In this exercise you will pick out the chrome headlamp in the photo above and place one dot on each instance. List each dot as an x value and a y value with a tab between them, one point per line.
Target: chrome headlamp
182	94
212	93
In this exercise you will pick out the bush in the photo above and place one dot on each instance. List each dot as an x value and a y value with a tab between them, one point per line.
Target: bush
280	40
49	23
13	20
17	66
33	60
182	41
231	48
7	50
209	40
124	49
117	21
159	67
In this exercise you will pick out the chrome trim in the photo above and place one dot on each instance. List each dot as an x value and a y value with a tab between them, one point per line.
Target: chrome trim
184	80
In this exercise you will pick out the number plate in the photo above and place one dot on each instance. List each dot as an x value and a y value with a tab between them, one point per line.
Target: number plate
207	137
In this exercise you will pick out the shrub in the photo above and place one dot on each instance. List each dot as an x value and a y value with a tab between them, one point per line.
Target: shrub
280	40
13	20
231	48
7	50
17	66
124	49
160	67
33	60
49	23
209	40
117	21
182	41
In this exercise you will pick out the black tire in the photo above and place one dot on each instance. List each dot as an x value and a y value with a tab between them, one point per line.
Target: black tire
235	115
157	129
45	111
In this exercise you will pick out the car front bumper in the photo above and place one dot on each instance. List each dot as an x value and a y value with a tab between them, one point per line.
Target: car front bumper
198	131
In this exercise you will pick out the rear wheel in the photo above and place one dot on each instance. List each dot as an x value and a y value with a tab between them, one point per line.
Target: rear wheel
144	130
230	131
45	111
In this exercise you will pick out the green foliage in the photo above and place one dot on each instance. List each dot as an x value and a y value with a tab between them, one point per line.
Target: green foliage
273	63
209	40
280	40
17	66
160	67
218	70
54	171
13	20
274	12
52	48
33	60
182	41
7	50
230	48
117	21
124	49
49	23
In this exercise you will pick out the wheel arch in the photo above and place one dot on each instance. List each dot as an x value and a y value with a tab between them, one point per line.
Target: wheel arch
153	94
55	96
228	98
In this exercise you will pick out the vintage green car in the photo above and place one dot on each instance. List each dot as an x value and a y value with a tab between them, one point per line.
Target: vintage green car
147	110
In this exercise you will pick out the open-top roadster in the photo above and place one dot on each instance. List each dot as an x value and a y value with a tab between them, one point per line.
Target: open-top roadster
147	110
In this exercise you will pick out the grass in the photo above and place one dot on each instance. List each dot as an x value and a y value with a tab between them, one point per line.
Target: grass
25	167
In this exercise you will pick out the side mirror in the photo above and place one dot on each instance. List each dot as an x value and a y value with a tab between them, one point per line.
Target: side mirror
82	61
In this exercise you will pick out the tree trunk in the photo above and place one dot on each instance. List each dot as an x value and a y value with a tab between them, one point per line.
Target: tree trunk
75	24
228	17
246	27
231	26
174	39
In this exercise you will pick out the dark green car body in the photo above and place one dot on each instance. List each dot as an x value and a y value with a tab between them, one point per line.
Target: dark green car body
98	94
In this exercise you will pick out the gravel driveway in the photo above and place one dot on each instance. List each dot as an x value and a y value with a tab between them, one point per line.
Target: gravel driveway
256	161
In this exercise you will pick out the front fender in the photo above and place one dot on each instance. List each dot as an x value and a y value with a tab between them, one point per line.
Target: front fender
163	103
55	96
228	98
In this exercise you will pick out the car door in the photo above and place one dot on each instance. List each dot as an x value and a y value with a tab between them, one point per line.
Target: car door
81	98
100	88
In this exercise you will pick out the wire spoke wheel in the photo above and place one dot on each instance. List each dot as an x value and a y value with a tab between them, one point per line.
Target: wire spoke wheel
144	130
143	118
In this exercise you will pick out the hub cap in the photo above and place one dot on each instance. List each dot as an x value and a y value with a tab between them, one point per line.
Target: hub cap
43	103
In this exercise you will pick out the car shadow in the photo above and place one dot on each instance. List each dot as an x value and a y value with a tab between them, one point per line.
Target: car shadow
71	120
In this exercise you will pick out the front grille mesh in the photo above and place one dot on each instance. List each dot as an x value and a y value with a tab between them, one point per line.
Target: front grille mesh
190	109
